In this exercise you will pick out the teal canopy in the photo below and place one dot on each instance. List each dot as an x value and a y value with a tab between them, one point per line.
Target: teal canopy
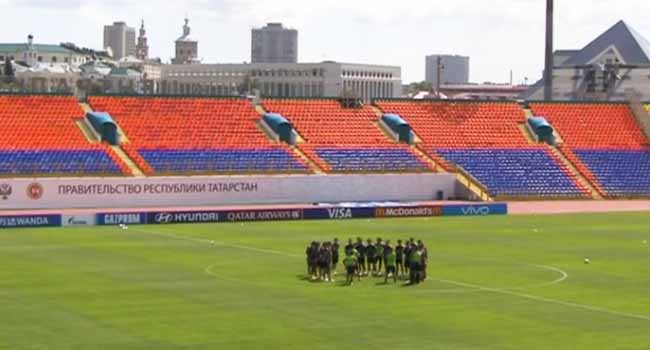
541	126
104	124
281	126
400	126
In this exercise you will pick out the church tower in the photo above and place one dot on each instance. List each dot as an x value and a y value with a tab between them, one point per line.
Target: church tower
187	48
142	49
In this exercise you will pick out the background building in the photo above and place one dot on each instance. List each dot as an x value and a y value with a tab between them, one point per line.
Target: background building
30	54
187	48
120	38
142	48
327	79
274	44
613	67
455	69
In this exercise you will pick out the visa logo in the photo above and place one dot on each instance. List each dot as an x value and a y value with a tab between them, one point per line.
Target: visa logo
340	213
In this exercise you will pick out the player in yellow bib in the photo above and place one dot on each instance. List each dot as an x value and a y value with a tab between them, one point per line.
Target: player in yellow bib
391	265
351	262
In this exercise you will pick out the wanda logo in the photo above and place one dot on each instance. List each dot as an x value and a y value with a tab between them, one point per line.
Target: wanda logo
35	191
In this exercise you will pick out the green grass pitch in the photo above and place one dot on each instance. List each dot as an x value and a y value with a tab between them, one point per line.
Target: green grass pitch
495	283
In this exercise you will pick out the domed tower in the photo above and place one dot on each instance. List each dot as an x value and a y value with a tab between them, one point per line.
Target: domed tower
187	48
142	49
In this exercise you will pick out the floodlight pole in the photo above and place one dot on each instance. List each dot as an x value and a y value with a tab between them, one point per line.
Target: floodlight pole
548	65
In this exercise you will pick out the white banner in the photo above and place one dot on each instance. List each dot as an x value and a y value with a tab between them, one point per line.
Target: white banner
219	190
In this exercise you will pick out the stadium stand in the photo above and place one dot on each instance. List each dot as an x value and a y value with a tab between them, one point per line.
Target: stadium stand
606	143
196	136
484	139
40	138
341	139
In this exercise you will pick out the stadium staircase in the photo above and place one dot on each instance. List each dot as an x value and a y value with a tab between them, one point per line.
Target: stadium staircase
315	165
94	137
584	182
582	174
345	139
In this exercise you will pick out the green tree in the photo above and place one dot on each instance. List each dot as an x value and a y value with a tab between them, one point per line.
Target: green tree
10	74
414	88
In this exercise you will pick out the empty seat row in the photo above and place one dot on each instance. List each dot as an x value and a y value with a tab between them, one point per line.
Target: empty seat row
371	159
522	172
622	173
221	160
58	162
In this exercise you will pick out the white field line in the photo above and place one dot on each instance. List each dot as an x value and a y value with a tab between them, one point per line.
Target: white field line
212	242
549	300
510	292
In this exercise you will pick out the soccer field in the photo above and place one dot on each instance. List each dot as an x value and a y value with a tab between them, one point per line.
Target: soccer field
512	282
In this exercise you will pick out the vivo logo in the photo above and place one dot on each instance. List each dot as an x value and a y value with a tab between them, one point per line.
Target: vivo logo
340	213
476	211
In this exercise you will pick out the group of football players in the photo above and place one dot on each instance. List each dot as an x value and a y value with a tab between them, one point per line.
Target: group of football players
370	258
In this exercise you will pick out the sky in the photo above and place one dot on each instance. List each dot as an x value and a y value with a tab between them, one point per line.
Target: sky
499	36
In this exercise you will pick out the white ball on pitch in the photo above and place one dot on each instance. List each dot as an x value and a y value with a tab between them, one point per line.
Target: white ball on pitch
587	261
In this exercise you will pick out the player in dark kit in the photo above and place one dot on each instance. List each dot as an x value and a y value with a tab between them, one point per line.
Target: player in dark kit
361	251
391	262
335	254
325	262
371	258
349	248
399	258
408	250
312	258
379	247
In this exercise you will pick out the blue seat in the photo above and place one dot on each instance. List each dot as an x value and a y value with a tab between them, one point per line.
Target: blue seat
620	172
34	162
371	159
515	172
222	160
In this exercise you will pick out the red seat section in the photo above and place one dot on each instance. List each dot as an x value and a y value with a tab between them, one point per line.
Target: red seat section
443	124
41	132
196	135
342	139
589	125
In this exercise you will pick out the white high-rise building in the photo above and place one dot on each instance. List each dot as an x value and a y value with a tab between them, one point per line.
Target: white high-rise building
120	38
454	69
274	44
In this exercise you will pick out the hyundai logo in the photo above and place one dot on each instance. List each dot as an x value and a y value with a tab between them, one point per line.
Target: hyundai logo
164	218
